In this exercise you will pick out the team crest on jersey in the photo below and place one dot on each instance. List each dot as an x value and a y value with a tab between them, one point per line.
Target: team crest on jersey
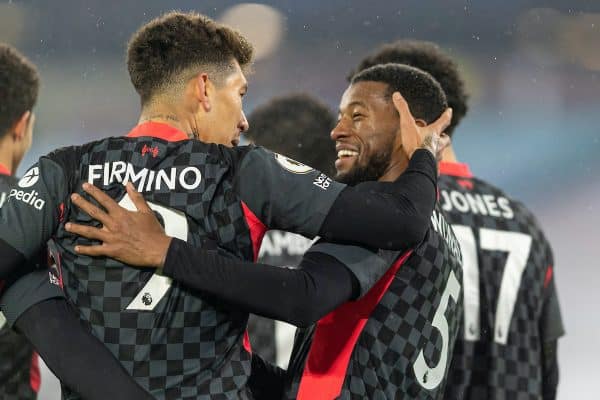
30	178
292	165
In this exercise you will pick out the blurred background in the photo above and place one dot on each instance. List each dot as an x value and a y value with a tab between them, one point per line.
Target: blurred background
532	69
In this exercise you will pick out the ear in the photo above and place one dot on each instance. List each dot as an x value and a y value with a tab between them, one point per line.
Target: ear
202	89
420	123
20	127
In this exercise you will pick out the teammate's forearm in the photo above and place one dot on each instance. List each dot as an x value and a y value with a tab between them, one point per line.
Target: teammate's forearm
383	214
298	296
75	356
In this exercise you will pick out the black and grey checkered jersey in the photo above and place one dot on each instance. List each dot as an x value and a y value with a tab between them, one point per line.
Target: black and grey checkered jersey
20	291
174	343
510	300
15	351
405	346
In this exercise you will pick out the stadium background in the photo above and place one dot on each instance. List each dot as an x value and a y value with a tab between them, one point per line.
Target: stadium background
532	68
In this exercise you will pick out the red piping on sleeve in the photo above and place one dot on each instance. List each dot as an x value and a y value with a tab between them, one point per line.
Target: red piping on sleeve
257	229
35	378
548	278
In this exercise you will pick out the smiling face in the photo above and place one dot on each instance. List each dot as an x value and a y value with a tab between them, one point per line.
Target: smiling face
365	133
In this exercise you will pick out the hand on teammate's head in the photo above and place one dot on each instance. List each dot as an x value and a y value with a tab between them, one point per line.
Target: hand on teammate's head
414	136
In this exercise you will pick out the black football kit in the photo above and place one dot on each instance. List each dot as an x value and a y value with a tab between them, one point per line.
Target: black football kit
394	339
175	344
507	343
19	370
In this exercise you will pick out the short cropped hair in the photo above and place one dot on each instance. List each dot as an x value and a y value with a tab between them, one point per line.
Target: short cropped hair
174	47
429	57
297	126
424	95
19	86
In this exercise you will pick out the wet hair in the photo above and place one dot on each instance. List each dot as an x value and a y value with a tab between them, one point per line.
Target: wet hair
172	48
429	57
424	95
19	86
297	126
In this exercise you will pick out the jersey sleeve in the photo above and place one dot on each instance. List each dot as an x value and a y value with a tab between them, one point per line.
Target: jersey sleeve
551	324
366	265
285	194
31	213
27	291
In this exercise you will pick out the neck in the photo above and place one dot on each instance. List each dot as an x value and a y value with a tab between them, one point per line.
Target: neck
168	115
6	154
394	170
448	155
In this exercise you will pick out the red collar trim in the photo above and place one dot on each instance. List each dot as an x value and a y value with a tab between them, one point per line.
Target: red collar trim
158	130
455	169
4	170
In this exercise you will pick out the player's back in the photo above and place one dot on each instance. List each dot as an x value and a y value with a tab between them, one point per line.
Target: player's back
507	264
397	340
175	344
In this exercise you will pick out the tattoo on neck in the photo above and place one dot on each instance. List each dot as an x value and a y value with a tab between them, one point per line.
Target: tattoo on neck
167	117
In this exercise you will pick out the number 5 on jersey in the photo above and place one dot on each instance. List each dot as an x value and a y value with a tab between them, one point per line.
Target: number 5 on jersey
517	245
154	290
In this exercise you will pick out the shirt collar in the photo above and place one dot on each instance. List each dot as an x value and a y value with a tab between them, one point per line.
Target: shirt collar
4	170
455	169
158	130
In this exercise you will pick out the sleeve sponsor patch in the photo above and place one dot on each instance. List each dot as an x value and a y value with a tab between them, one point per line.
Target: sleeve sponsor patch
292	165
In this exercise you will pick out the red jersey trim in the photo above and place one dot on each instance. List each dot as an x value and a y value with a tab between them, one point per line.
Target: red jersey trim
246	342
335	338
4	170
35	378
548	278
158	130
257	229
257	232
455	169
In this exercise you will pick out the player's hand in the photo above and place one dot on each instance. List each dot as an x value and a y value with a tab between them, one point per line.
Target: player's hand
132	237
430	137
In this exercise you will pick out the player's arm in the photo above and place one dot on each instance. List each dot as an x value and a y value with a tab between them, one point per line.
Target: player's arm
31	214
74	354
301	296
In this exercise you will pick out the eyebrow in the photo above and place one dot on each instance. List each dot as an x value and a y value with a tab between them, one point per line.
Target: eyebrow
354	103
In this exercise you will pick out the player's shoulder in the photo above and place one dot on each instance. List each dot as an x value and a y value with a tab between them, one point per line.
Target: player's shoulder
523	216
253	156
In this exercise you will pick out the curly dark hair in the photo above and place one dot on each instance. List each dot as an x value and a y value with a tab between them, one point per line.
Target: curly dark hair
428	57
173	47
298	126
424	95
19	86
